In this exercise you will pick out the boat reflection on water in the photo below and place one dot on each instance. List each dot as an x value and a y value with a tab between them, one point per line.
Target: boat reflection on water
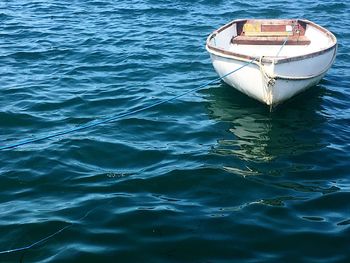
261	136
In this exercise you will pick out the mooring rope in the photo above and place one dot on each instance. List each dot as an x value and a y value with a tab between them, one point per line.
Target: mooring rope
90	125
43	240
286	39
37	243
95	123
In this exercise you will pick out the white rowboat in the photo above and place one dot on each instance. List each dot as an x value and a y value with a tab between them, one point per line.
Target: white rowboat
279	58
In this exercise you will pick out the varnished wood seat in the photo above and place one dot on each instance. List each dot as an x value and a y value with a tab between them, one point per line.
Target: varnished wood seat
270	40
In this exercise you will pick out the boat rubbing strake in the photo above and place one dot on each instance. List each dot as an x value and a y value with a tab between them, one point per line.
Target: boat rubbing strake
289	56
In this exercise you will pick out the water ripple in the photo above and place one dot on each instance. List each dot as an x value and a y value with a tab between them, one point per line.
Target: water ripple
211	177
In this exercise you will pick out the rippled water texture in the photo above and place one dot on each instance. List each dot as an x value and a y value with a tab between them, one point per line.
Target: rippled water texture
210	177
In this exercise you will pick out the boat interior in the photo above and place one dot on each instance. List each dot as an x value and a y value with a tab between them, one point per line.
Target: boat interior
265	37
270	32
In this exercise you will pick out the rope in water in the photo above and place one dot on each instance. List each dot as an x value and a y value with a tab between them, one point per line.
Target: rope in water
90	125
100	122
117	117
43	240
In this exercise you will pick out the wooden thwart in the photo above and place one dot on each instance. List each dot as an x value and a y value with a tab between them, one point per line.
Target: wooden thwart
266	34
270	40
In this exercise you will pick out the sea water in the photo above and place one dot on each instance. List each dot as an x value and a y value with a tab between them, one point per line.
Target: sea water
210	177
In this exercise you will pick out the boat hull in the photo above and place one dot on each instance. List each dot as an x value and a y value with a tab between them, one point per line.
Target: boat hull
275	77
287	79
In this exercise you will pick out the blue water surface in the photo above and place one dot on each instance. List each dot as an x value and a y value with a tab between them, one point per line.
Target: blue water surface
210	177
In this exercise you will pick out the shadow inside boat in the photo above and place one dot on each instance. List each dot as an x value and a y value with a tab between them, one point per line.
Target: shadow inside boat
256	134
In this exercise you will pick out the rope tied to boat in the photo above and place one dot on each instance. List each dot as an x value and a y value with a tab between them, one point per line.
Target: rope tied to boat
294	24
117	117
90	125
269	80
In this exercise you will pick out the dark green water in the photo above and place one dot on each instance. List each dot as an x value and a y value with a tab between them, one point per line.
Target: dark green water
210	177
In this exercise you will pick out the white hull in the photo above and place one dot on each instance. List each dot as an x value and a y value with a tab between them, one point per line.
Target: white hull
270	79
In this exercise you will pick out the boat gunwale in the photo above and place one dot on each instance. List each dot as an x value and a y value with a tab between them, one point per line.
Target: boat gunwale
270	59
